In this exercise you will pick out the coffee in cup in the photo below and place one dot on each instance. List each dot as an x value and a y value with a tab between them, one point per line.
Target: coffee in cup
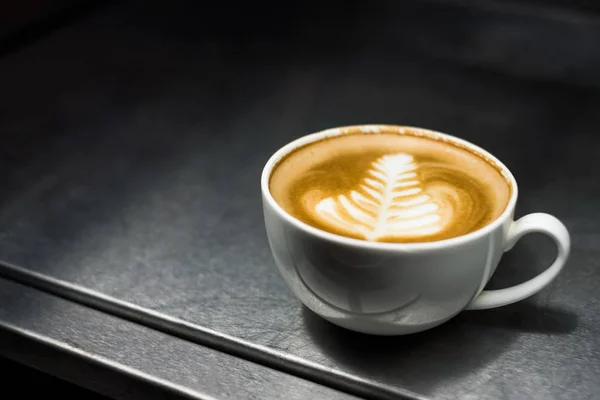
392	185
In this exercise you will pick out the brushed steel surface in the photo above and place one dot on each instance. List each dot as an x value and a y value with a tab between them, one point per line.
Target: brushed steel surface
132	149
127	361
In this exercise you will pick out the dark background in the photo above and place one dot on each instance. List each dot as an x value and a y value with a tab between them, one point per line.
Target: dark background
13	375
21	23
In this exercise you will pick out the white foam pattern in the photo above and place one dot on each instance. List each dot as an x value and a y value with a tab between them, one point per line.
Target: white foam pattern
390	202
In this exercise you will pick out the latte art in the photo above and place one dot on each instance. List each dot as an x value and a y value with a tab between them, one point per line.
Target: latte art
389	203
389	187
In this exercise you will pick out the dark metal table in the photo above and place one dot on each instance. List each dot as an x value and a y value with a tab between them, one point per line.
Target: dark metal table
134	140
125	360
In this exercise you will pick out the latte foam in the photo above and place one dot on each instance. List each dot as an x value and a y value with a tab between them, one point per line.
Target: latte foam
390	187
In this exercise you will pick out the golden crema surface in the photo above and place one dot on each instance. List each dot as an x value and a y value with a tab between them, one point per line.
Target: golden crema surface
390	187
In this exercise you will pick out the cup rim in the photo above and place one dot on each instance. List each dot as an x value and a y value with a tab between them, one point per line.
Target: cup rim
375	128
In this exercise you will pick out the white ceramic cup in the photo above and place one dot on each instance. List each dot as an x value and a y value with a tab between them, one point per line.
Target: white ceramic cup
400	288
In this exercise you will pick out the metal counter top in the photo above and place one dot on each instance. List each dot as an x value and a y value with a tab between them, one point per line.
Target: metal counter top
124	360
133	144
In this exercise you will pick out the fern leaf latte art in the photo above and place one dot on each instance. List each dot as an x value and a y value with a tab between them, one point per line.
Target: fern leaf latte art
389	187
389	203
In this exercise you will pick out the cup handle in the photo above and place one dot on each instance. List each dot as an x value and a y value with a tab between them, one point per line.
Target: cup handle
537	222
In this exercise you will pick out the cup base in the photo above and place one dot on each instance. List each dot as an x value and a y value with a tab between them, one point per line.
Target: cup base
382	329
